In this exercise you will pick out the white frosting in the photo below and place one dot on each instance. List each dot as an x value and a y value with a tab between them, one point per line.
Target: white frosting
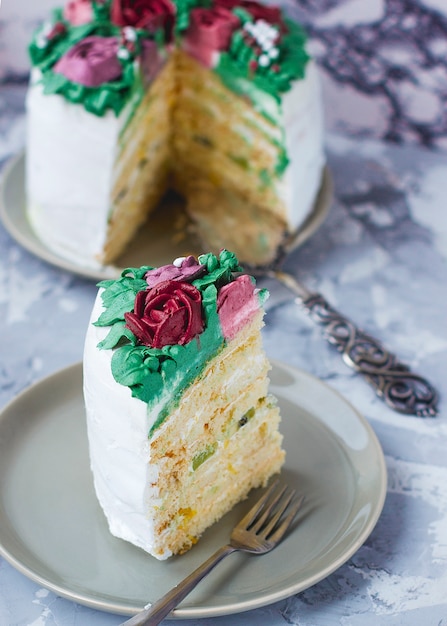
117	427
304	133
71	157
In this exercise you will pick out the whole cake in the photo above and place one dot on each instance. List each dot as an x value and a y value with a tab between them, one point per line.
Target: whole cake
181	425
217	99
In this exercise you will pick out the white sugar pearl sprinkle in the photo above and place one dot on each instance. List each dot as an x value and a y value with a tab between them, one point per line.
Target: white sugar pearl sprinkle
178	261
130	33
264	60
123	53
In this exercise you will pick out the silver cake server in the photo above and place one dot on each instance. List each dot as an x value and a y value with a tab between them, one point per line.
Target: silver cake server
401	389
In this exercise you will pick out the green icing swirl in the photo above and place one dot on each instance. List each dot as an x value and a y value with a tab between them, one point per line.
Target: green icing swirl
148	372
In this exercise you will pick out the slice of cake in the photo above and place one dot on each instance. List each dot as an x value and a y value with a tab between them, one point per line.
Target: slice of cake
216	99
181	425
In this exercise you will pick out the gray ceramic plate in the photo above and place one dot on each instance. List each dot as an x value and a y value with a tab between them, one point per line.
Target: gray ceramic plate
53	531
165	236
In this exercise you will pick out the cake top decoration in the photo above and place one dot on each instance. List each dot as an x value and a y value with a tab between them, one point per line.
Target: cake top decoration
93	51
163	324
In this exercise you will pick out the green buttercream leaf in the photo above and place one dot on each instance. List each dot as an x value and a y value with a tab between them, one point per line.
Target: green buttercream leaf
118	298
117	333
243	15
136	272
128	365
183	10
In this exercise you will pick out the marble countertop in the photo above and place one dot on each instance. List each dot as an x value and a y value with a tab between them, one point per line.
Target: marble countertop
380	257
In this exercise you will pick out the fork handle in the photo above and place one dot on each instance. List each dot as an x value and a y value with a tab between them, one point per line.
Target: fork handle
160	609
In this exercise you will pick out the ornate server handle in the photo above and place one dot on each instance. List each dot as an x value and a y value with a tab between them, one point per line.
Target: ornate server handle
393	381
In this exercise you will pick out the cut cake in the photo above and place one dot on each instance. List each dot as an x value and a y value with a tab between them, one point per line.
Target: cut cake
181	425
217	99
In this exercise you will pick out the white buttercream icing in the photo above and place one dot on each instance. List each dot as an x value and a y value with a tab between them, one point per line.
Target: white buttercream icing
304	134
71	156
117	427
69	165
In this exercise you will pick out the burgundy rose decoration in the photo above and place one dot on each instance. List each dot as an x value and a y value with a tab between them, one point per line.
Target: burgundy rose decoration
169	313
91	62
210	30
271	14
148	14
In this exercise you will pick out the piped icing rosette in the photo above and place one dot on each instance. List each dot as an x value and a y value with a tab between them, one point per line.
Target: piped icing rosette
97	52
166	323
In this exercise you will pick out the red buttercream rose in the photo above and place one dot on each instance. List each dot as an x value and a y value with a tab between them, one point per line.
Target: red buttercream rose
259	11
78	12
213	27
148	14
209	30
91	62
169	313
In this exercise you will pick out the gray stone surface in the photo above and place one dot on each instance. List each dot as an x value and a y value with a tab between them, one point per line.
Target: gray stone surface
380	257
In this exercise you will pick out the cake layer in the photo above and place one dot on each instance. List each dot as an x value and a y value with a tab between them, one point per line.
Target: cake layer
161	493
180	421
224	98
142	166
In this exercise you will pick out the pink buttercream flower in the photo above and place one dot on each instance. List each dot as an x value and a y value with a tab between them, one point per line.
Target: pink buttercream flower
237	303
188	269
78	12
148	14
91	62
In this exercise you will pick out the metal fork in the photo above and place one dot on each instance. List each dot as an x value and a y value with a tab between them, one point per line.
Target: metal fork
258	532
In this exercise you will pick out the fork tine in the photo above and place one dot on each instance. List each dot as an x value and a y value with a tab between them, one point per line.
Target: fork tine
266	511
283	527
286	499
249	518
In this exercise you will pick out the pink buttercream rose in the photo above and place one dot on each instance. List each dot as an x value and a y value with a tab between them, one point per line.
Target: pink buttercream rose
169	313
188	269
210	30
148	14
91	62
237	303
78	12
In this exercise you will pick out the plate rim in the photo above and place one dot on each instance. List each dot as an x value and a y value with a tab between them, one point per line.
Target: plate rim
193	612
38	248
